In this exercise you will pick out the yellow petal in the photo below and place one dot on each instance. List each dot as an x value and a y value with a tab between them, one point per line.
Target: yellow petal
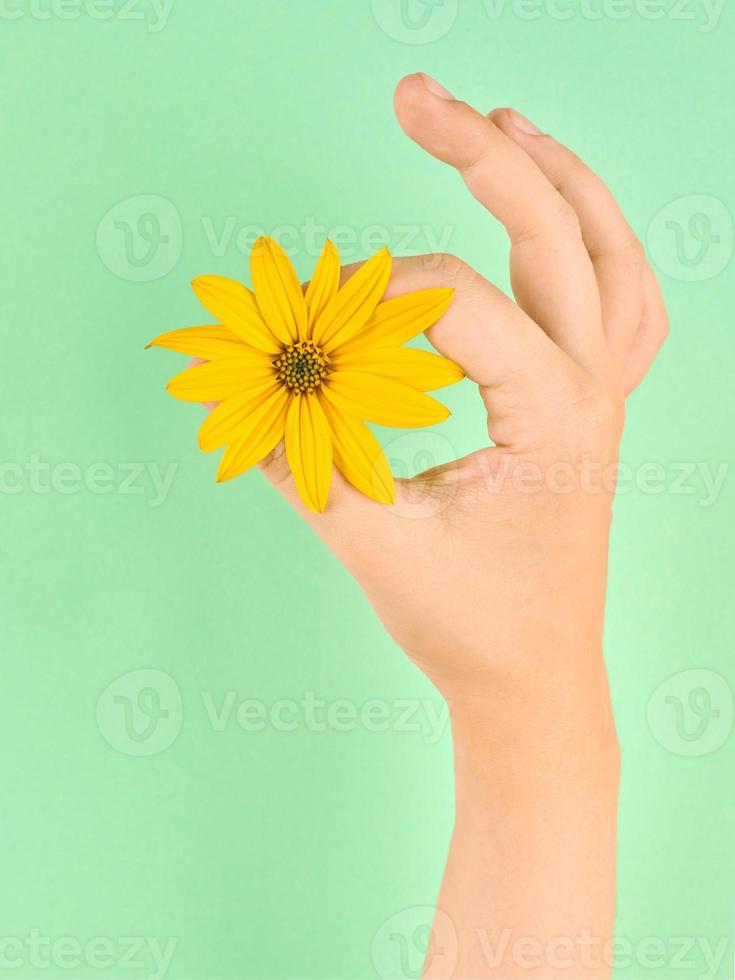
278	291
235	306
258	435
208	343
217	380
358	456
381	400
399	320
418	368
324	283
351	307
222	424
309	450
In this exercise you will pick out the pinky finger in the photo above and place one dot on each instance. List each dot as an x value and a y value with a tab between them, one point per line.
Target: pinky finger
650	336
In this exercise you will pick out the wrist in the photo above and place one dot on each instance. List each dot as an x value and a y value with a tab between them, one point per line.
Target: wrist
548	717
536	772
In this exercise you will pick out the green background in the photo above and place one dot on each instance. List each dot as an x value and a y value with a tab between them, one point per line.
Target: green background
296	853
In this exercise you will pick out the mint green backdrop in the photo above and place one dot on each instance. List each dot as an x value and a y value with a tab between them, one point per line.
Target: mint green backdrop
214	762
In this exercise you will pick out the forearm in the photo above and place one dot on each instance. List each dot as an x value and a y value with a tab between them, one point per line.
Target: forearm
529	887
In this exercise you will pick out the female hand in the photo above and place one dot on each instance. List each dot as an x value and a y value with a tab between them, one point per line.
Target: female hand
483	560
497	592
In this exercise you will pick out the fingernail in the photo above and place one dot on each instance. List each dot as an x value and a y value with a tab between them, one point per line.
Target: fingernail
434	87
525	125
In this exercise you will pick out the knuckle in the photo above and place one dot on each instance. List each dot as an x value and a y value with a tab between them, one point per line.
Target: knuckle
558	221
474	162
503	118
605	411
620	244
574	171
634	254
599	414
455	270
568	218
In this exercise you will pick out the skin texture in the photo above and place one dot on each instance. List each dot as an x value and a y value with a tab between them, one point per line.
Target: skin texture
490	573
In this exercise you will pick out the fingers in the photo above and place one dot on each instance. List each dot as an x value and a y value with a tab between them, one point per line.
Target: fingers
650	336
617	255
524	378
551	273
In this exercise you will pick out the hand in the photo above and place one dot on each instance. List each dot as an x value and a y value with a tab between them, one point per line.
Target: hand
511	552
498	591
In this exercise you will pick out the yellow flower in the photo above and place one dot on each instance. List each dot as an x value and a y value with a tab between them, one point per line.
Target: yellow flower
311	368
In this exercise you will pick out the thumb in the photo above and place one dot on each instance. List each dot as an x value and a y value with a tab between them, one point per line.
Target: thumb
349	513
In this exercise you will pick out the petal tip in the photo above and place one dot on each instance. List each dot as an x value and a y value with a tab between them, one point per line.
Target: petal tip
263	243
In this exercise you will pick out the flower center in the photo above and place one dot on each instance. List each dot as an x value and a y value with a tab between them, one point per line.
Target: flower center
301	367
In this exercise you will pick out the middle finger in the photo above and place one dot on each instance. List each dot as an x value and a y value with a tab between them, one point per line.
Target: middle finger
551	272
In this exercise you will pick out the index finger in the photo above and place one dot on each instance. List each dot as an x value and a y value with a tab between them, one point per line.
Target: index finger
551	272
